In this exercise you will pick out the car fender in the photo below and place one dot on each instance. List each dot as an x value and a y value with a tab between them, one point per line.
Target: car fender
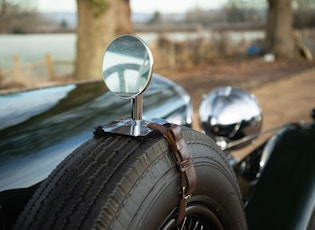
39	128
284	195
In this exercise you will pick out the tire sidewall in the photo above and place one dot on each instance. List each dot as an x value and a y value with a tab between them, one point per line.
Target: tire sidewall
216	189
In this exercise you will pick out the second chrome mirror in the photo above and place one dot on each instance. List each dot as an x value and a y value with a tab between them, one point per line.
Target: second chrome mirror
232	117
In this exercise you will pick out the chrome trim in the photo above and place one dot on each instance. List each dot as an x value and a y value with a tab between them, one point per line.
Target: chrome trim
228	114
137	108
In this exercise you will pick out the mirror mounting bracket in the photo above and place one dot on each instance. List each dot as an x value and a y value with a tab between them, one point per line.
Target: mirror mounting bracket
130	127
134	126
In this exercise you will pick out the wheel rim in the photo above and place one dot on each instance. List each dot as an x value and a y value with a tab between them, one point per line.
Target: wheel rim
198	216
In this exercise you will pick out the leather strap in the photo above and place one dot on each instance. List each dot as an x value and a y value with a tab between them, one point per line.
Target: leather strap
178	147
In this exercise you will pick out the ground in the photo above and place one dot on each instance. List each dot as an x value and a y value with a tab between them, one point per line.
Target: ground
285	90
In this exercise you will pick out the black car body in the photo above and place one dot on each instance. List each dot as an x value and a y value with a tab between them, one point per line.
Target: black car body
278	180
39	128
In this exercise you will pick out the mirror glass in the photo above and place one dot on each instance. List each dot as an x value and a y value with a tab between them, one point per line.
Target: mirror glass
127	66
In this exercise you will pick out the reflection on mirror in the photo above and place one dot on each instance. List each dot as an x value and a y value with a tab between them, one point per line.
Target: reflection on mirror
127	66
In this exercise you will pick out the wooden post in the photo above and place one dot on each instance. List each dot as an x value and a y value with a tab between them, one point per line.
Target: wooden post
172	54
50	67
16	68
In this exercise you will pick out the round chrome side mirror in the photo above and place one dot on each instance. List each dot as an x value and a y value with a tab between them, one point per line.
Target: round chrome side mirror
127	66
230	115
127	70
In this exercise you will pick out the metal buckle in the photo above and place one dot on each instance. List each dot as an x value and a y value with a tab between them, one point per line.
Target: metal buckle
184	193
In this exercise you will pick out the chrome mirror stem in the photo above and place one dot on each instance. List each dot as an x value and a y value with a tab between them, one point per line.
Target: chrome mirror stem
137	108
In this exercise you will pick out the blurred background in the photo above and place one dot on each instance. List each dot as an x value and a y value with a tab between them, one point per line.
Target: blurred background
40	40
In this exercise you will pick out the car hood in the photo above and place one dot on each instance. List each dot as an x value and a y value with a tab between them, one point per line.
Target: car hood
39	128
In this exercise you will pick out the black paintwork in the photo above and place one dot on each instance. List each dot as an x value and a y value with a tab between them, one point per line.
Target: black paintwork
282	196
39	128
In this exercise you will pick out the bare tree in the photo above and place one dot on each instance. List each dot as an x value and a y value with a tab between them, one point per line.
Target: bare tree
304	13
3	17
99	21
279	31
17	16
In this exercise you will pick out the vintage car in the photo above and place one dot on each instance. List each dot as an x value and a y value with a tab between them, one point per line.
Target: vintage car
76	157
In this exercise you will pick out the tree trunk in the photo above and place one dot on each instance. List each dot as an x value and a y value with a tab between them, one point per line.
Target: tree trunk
99	21
3	18
279	32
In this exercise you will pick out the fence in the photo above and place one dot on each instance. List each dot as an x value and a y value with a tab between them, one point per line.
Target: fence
170	54
217	45
39	72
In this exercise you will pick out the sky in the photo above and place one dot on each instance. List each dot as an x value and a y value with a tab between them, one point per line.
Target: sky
138	6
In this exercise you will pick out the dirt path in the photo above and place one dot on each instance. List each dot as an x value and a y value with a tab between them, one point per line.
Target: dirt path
286	91
284	101
288	100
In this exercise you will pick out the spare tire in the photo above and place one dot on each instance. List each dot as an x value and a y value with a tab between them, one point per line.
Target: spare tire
121	182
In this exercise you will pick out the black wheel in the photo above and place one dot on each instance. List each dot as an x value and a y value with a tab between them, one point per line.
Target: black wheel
120	182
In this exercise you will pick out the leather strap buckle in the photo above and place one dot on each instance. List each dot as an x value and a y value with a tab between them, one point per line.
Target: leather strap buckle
185	195
184	161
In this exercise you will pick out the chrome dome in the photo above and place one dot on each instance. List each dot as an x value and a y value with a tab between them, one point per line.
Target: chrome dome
228	114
